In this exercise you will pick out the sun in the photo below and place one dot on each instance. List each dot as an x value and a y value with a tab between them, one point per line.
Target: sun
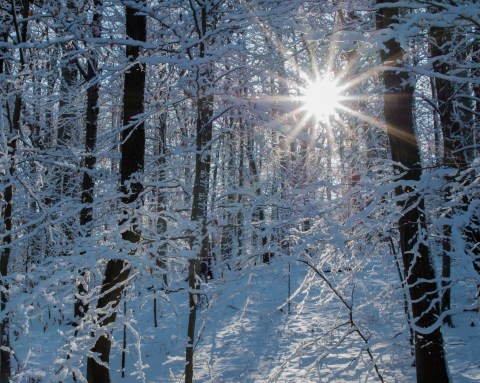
321	98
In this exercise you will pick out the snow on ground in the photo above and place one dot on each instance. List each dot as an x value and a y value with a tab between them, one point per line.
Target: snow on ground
247	333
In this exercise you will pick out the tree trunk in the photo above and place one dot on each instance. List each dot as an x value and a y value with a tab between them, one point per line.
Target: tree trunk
239	220
161	201
200	266
476	94
7	222
228	240
285	185
258	215
113	285
453	144
14	121
88	183
64	177
131	163
472	232
200	243
418	269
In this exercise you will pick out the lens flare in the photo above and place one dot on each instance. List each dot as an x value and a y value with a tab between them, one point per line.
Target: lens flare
321	98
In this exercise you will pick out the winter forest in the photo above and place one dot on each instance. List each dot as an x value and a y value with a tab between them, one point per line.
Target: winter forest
240	191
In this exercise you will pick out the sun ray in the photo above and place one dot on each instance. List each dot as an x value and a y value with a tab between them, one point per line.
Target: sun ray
321	98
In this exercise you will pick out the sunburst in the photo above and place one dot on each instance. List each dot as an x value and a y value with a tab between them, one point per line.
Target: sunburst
321	98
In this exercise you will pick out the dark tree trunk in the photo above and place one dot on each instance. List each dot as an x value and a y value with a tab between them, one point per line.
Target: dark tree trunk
240	217
285	185
7	222
229	231
472	231
91	128
114	282
453	144
64	178
162	223
201	265
131	163
418	269
4	259
7	243
259	212
9	20
88	182
476	94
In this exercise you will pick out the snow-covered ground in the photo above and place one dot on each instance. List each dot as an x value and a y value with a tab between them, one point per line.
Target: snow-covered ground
247	332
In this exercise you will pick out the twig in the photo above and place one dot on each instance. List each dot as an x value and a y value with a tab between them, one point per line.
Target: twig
349	306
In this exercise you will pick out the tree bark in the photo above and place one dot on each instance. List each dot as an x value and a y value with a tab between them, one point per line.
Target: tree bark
64	177
7	222
131	163
419	273
453	156
88	182
476	94
14	121
199	267
472	232
258	215
161	200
